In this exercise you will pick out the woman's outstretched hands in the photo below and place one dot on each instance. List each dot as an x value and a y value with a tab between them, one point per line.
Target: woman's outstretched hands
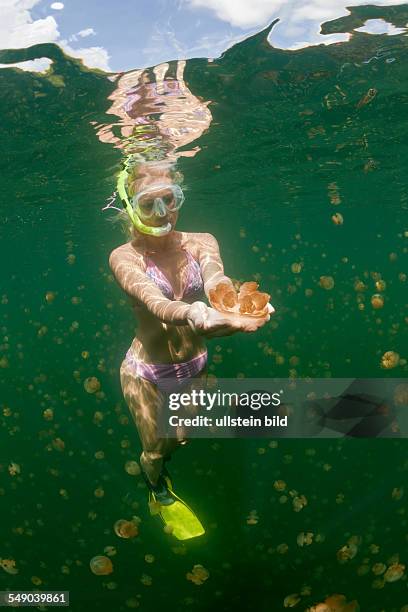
209	322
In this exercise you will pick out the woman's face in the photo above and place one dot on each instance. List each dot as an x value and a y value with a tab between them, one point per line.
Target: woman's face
158	207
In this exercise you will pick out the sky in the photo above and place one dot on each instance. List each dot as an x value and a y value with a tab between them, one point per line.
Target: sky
121	35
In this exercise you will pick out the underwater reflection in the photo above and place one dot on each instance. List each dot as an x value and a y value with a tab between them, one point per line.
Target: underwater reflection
157	114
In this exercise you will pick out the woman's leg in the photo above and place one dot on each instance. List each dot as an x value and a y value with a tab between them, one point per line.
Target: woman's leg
146	404
197	382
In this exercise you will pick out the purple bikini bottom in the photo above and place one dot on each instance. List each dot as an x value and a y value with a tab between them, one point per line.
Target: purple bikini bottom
169	377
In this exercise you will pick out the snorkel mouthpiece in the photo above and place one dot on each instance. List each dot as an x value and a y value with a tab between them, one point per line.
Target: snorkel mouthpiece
162	230
134	217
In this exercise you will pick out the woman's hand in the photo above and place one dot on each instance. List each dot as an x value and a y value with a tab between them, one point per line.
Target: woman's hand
197	315
207	321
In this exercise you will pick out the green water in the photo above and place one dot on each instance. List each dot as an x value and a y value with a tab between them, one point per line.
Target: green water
291	143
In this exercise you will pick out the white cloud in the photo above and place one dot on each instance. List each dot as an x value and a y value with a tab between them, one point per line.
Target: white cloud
57	6
93	57
87	32
379	26
214	45
241	13
19	30
40	64
82	34
328	40
300	20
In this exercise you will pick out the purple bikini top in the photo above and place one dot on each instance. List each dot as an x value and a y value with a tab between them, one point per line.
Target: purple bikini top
192	280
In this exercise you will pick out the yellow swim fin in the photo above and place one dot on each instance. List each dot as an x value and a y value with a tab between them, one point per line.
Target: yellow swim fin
184	523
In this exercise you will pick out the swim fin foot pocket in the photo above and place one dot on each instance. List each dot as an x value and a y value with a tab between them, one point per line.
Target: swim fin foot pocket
160	490
173	511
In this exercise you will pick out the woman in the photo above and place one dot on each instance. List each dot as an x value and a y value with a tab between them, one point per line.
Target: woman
166	273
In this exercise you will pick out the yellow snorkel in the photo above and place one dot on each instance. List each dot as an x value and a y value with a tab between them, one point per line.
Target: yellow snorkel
134	217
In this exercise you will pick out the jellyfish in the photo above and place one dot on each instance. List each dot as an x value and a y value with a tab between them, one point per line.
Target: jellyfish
101	565
14	469
58	444
346	553
337	603
394	572
397	493
247	301
198	575
132	602
253	518
380	285
132	468
304	539
92	384
299	502
9	566
282	548
378	569
125	529
377	301
337	219
360	286
291	600
326	282
389	360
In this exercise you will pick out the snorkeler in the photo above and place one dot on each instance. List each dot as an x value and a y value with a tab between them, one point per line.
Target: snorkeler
166	273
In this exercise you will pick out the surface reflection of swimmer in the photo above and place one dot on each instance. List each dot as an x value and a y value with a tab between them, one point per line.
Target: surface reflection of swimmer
166	273
157	115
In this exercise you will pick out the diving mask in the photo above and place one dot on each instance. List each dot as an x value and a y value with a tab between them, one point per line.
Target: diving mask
157	200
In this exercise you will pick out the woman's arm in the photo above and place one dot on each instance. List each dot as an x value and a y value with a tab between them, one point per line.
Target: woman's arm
212	268
127	270
129	274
